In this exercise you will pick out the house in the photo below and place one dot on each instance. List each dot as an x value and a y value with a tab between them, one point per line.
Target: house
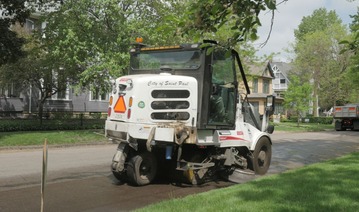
15	101
280	81
260	79
19	103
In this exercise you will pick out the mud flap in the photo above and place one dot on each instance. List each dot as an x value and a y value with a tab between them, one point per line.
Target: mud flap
118	161
356	125
150	139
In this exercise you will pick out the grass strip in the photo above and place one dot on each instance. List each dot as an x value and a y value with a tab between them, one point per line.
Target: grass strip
329	186
303	127
11	139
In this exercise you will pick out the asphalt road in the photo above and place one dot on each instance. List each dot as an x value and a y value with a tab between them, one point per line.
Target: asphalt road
79	178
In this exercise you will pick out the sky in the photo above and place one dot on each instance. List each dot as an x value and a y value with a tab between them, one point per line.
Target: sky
287	18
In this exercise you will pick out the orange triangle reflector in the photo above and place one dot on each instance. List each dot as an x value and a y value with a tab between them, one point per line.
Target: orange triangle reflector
120	106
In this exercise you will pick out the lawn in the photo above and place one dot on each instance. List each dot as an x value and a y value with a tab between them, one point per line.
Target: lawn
329	186
62	137
303	127
54	137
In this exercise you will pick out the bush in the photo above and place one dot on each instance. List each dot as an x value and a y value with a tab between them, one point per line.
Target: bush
51	124
321	120
312	119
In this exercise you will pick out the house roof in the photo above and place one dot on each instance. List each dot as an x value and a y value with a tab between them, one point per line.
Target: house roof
283	67
261	69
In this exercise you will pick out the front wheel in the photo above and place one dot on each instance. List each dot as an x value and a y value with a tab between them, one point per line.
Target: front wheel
142	169
262	156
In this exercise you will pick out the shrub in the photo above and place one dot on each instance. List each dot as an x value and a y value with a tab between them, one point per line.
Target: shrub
311	118
51	124
321	120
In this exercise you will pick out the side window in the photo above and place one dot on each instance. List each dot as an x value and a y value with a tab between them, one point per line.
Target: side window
223	96
255	85
265	86
96	95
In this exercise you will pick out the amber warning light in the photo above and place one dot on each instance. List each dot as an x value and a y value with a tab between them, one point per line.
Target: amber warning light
139	40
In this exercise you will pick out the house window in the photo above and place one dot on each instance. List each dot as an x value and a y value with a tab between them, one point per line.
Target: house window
255	85
265	86
62	86
97	95
63	94
278	109
282	81
10	90
29	25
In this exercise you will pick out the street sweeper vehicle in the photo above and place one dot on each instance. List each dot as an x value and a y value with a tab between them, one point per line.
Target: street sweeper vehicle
179	113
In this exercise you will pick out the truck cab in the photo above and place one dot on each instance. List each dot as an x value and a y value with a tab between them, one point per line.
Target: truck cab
217	86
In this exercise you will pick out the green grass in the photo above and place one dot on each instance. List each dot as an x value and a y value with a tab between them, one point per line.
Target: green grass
303	127
328	186
53	137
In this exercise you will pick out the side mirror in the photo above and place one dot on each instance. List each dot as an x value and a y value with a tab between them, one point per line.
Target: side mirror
270	104
270	129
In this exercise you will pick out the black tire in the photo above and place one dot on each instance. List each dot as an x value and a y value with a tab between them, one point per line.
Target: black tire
122	177
262	156
338	126
142	169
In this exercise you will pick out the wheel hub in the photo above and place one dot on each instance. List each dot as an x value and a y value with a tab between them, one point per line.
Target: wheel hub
261	157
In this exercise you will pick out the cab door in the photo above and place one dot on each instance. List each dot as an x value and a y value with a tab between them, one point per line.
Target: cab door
223	97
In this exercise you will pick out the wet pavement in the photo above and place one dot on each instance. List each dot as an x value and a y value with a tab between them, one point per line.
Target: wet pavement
91	187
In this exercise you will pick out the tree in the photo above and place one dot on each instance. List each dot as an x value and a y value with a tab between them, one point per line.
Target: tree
208	16
96	35
37	70
10	43
318	57
12	12
85	44
352	46
320	20
298	97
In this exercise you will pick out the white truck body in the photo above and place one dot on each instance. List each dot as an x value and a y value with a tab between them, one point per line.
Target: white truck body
163	119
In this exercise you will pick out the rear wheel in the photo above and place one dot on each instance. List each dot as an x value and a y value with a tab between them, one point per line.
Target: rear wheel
142	169
338	126
121	176
262	156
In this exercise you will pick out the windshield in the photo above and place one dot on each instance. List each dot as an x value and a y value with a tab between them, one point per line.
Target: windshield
166	60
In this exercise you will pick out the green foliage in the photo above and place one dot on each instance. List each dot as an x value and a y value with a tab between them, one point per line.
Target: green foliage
298	96
312	119
12	12
209	16
96	36
320	20
319	58
10	44
51	124
351	46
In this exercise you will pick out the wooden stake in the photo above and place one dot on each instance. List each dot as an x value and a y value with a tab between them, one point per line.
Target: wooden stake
44	173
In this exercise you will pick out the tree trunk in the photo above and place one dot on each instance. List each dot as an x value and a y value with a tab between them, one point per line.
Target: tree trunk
315	102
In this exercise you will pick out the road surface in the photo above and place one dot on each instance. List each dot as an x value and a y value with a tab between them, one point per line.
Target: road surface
79	178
